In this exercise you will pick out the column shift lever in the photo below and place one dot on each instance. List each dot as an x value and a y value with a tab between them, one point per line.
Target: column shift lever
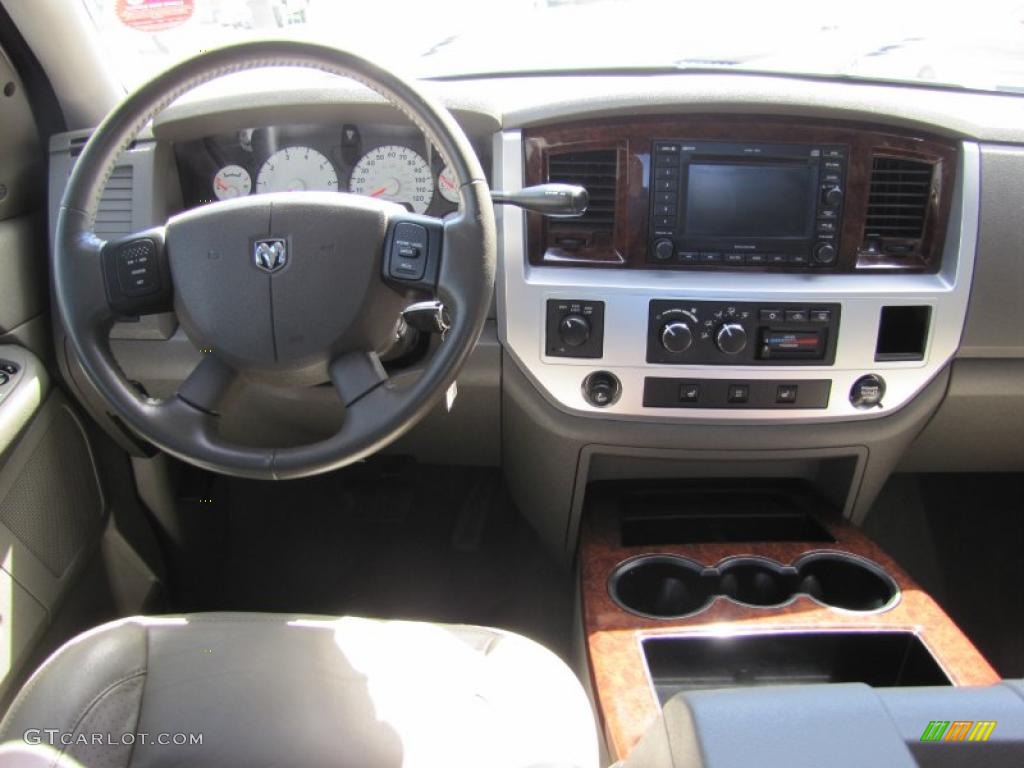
559	200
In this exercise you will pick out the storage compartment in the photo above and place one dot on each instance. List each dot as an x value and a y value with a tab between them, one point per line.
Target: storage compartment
668	586
903	333
879	659
701	512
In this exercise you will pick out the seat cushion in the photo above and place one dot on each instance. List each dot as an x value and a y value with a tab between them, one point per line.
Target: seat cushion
264	689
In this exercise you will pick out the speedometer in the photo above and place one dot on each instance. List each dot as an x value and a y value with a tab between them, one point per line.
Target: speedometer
394	173
295	169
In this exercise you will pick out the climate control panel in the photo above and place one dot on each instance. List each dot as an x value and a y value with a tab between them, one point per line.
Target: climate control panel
735	333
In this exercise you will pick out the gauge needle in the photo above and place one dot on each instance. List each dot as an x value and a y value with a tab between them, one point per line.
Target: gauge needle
221	184
378	192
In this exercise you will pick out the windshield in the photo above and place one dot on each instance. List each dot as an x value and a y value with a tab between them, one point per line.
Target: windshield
979	45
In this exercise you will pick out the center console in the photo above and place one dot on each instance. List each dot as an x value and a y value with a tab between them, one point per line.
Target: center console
737	269
718	585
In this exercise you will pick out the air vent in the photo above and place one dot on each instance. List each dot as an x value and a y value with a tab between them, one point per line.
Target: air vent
898	198
77	145
114	217
595	170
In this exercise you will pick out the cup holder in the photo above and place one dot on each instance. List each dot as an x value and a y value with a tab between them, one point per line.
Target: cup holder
843	581
668	586
661	586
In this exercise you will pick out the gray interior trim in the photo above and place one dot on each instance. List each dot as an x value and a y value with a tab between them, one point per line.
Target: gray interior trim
23	395
960	113
223	106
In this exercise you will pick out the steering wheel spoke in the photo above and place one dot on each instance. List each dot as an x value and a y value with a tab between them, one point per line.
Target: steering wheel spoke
207	387
136	274
356	373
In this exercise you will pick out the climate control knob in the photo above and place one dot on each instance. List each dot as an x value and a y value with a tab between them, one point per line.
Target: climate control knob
731	338
574	330
676	336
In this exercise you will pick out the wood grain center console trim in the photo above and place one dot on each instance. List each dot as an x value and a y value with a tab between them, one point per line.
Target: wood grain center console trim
631	141
625	698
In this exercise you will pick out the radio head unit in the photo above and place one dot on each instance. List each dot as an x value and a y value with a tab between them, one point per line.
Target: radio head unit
720	204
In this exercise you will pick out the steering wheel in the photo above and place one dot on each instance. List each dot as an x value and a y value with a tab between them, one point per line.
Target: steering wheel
293	289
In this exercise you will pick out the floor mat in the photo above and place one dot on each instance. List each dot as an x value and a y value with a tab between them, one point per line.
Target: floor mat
962	538
387	539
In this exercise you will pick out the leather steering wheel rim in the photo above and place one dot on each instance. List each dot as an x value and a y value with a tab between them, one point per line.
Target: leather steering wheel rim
376	414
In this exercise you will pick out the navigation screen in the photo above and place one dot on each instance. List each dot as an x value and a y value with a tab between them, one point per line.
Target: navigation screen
750	200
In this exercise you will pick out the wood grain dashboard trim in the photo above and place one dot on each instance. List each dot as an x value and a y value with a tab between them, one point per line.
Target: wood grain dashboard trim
626	702
631	139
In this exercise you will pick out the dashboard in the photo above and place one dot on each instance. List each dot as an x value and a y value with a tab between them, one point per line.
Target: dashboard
390	162
653	334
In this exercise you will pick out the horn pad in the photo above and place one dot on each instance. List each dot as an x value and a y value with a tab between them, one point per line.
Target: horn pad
279	285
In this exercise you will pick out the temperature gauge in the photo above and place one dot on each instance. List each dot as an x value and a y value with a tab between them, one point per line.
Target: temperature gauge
447	185
232	181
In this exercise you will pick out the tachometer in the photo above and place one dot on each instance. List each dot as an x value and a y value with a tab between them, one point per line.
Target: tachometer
394	173
232	181
295	169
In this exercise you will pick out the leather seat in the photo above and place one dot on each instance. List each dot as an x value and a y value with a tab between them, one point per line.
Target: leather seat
264	689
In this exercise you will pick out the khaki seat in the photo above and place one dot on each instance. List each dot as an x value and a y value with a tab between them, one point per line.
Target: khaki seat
275	690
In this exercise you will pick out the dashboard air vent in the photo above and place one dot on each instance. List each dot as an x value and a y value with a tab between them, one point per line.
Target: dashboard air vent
597	171
898	198
114	217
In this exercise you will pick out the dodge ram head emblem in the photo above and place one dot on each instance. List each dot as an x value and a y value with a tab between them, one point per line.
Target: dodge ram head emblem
270	255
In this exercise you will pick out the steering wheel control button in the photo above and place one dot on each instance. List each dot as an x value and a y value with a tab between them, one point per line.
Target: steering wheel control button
786	394
407	248
4	378
575	328
137	271
867	391
6	366
601	389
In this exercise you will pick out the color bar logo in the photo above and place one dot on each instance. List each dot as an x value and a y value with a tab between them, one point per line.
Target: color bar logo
958	730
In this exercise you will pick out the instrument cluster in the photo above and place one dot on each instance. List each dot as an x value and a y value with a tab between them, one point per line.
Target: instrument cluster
389	162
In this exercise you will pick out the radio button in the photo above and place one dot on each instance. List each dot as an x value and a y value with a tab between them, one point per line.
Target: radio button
799	259
664	185
666	197
664	221
825	253
832	177
667	149
734	258
710	257
756	258
666	173
826	226
832	196
688	257
776	259
664	250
